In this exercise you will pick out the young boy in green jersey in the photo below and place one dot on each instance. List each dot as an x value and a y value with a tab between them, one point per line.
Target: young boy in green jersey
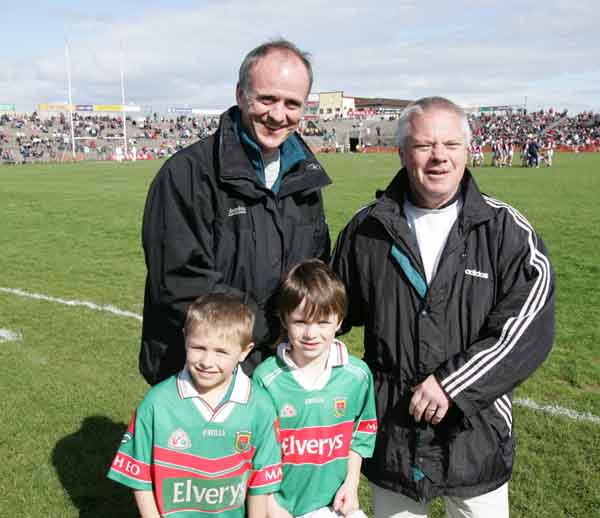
204	442
324	399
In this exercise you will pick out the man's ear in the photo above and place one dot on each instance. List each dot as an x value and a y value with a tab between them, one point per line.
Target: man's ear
239	95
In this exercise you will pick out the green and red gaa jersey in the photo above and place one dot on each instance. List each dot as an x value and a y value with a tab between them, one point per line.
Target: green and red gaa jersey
320	424
196	459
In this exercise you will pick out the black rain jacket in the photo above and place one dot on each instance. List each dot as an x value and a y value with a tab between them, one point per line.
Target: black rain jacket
210	225
482	326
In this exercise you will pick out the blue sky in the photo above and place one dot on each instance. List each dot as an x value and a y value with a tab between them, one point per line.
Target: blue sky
188	52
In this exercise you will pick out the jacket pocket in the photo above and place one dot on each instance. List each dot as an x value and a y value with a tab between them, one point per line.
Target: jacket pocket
481	453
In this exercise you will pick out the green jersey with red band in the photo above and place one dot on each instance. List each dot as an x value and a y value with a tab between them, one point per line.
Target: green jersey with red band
320	423
197	459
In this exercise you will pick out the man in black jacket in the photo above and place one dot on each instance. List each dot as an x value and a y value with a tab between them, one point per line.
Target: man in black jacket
234	211
456	294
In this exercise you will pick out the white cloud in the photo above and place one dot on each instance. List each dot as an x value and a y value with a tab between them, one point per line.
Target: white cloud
474	52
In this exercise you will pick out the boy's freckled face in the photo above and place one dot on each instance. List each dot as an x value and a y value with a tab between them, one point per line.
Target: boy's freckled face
310	340
211	359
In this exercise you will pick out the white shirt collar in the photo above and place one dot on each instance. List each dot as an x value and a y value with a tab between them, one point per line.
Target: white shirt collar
241	389
338	354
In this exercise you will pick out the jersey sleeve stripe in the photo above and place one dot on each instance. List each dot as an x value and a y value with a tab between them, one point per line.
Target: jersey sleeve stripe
266	476
131	468
367	426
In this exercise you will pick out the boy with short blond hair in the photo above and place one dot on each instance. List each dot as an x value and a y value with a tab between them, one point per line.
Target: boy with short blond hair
324	398
204	442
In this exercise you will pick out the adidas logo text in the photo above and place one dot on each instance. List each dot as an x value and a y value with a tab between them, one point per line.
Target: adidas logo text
475	273
237	211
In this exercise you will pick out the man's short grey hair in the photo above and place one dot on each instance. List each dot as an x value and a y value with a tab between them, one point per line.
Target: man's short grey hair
426	104
255	55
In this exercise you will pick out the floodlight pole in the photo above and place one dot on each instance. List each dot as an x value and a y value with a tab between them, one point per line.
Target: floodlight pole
70	98
123	101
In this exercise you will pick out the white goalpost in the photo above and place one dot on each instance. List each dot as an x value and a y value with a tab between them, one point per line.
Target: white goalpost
123	108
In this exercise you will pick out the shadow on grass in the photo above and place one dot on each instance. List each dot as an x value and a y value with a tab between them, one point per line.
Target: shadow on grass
82	460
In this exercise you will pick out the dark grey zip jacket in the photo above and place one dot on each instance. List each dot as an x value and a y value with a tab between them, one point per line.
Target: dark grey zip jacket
482	326
210	225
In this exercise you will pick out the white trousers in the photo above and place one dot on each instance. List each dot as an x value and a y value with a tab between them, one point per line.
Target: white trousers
387	504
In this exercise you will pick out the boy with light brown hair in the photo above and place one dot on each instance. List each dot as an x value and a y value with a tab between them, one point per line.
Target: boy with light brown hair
204	441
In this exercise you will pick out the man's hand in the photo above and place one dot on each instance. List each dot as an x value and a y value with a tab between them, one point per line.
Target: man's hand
429	401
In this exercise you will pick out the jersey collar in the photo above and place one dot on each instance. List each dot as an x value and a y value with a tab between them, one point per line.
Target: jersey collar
338	354
239	393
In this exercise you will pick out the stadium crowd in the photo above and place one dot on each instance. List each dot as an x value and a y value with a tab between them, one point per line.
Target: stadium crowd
26	138
572	132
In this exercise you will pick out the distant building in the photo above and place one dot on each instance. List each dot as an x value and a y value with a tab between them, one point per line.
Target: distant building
336	105
311	108
380	106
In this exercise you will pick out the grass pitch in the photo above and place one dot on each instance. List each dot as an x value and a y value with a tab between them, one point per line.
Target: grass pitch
70	379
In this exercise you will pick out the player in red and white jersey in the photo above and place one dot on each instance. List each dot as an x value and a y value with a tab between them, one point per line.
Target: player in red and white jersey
476	152
509	152
204	442
497	153
324	399
547	152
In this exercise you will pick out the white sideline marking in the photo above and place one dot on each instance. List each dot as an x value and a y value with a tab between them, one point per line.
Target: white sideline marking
83	303
558	410
525	402
6	335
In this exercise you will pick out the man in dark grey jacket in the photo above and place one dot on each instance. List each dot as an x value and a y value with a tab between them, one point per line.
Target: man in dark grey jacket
456	294
234	211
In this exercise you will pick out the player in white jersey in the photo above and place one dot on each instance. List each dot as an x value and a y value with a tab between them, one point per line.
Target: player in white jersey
509	152
547	153
204	442
324	399
497	153
476	152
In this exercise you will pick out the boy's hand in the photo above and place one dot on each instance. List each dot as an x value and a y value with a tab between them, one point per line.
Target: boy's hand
274	510
346	499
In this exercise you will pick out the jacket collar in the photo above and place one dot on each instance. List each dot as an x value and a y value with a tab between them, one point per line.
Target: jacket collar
291	152
389	210
235	167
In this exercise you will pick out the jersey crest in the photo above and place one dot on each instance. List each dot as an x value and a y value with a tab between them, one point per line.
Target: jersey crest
287	410
340	407
180	440
242	441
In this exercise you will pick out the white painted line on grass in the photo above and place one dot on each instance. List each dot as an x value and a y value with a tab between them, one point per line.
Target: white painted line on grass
525	402
558	410
6	335
82	303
